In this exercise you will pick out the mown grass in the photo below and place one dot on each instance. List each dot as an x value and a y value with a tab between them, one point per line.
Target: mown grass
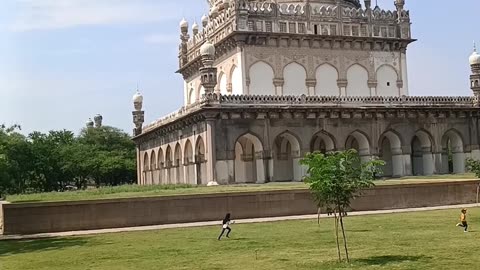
132	191
422	240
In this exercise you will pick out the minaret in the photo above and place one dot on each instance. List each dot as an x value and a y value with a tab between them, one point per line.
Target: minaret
475	77
184	37
98	120
89	123
138	114
368	4
208	73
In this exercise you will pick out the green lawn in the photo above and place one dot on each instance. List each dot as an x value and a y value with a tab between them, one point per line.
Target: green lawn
424	240
148	191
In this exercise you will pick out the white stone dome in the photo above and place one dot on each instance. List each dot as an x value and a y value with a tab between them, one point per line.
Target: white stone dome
204	20
474	58
183	24
207	49
137	98
214	12
89	122
195	26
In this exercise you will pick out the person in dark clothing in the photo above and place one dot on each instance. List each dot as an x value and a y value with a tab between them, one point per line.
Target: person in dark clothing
226	226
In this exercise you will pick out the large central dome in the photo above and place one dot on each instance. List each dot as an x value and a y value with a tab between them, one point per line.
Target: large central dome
350	3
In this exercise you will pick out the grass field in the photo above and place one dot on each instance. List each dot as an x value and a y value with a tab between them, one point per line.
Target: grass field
148	191
422	240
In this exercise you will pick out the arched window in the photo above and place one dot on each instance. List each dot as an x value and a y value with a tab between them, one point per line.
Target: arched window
261	79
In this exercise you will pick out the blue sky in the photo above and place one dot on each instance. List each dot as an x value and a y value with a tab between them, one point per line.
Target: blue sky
63	61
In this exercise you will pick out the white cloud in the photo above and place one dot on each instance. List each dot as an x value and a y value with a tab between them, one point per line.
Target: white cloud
57	14
162	39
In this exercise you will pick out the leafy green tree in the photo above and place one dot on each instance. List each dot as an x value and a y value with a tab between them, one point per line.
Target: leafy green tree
15	160
113	160
335	179
46	148
474	167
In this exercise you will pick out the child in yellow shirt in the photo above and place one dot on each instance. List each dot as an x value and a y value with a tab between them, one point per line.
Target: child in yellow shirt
463	220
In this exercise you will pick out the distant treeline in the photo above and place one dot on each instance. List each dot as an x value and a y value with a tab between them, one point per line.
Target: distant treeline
59	160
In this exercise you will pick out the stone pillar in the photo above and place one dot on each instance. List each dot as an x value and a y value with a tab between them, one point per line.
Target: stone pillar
139	167
342	85
458	161
428	164
278	83
373	88
260	166
445	168
398	167
437	162
311	83
211	149
364	154
475	152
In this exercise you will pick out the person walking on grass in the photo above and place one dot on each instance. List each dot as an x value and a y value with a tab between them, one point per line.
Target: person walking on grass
226	226
463	220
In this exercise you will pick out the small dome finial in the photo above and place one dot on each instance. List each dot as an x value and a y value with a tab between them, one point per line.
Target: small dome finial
474	59
89	123
184	25
137	100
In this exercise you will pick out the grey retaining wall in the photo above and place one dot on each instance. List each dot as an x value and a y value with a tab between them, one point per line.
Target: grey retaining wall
30	218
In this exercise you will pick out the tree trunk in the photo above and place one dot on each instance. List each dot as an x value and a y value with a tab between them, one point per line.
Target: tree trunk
336	235
344	237
319	212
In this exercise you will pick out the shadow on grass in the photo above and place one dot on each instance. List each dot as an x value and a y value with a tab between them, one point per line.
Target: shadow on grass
390	259
13	247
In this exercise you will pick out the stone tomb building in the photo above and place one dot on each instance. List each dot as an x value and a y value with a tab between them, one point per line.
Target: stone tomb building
268	81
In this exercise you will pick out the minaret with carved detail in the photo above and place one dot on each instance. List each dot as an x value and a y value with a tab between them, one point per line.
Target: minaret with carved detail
475	77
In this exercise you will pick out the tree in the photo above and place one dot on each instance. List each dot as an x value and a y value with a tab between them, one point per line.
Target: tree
113	160
474	167
335	179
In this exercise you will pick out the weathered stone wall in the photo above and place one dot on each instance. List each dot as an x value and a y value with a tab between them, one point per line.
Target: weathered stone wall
69	216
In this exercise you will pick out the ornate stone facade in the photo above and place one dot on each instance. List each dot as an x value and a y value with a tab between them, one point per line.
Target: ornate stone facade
261	90
315	47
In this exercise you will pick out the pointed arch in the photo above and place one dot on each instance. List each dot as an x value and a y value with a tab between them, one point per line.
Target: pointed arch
287	155
200	162
453	154
236	80
222	83
153	160
357	78
387	78
169	164
189	163
295	76
390	144
249	166
261	79
192	97
146	167
153	167
327	80
323	141
161	166
359	141
177	159
421	153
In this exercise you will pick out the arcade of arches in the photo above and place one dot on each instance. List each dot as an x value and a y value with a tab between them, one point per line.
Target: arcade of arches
254	161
